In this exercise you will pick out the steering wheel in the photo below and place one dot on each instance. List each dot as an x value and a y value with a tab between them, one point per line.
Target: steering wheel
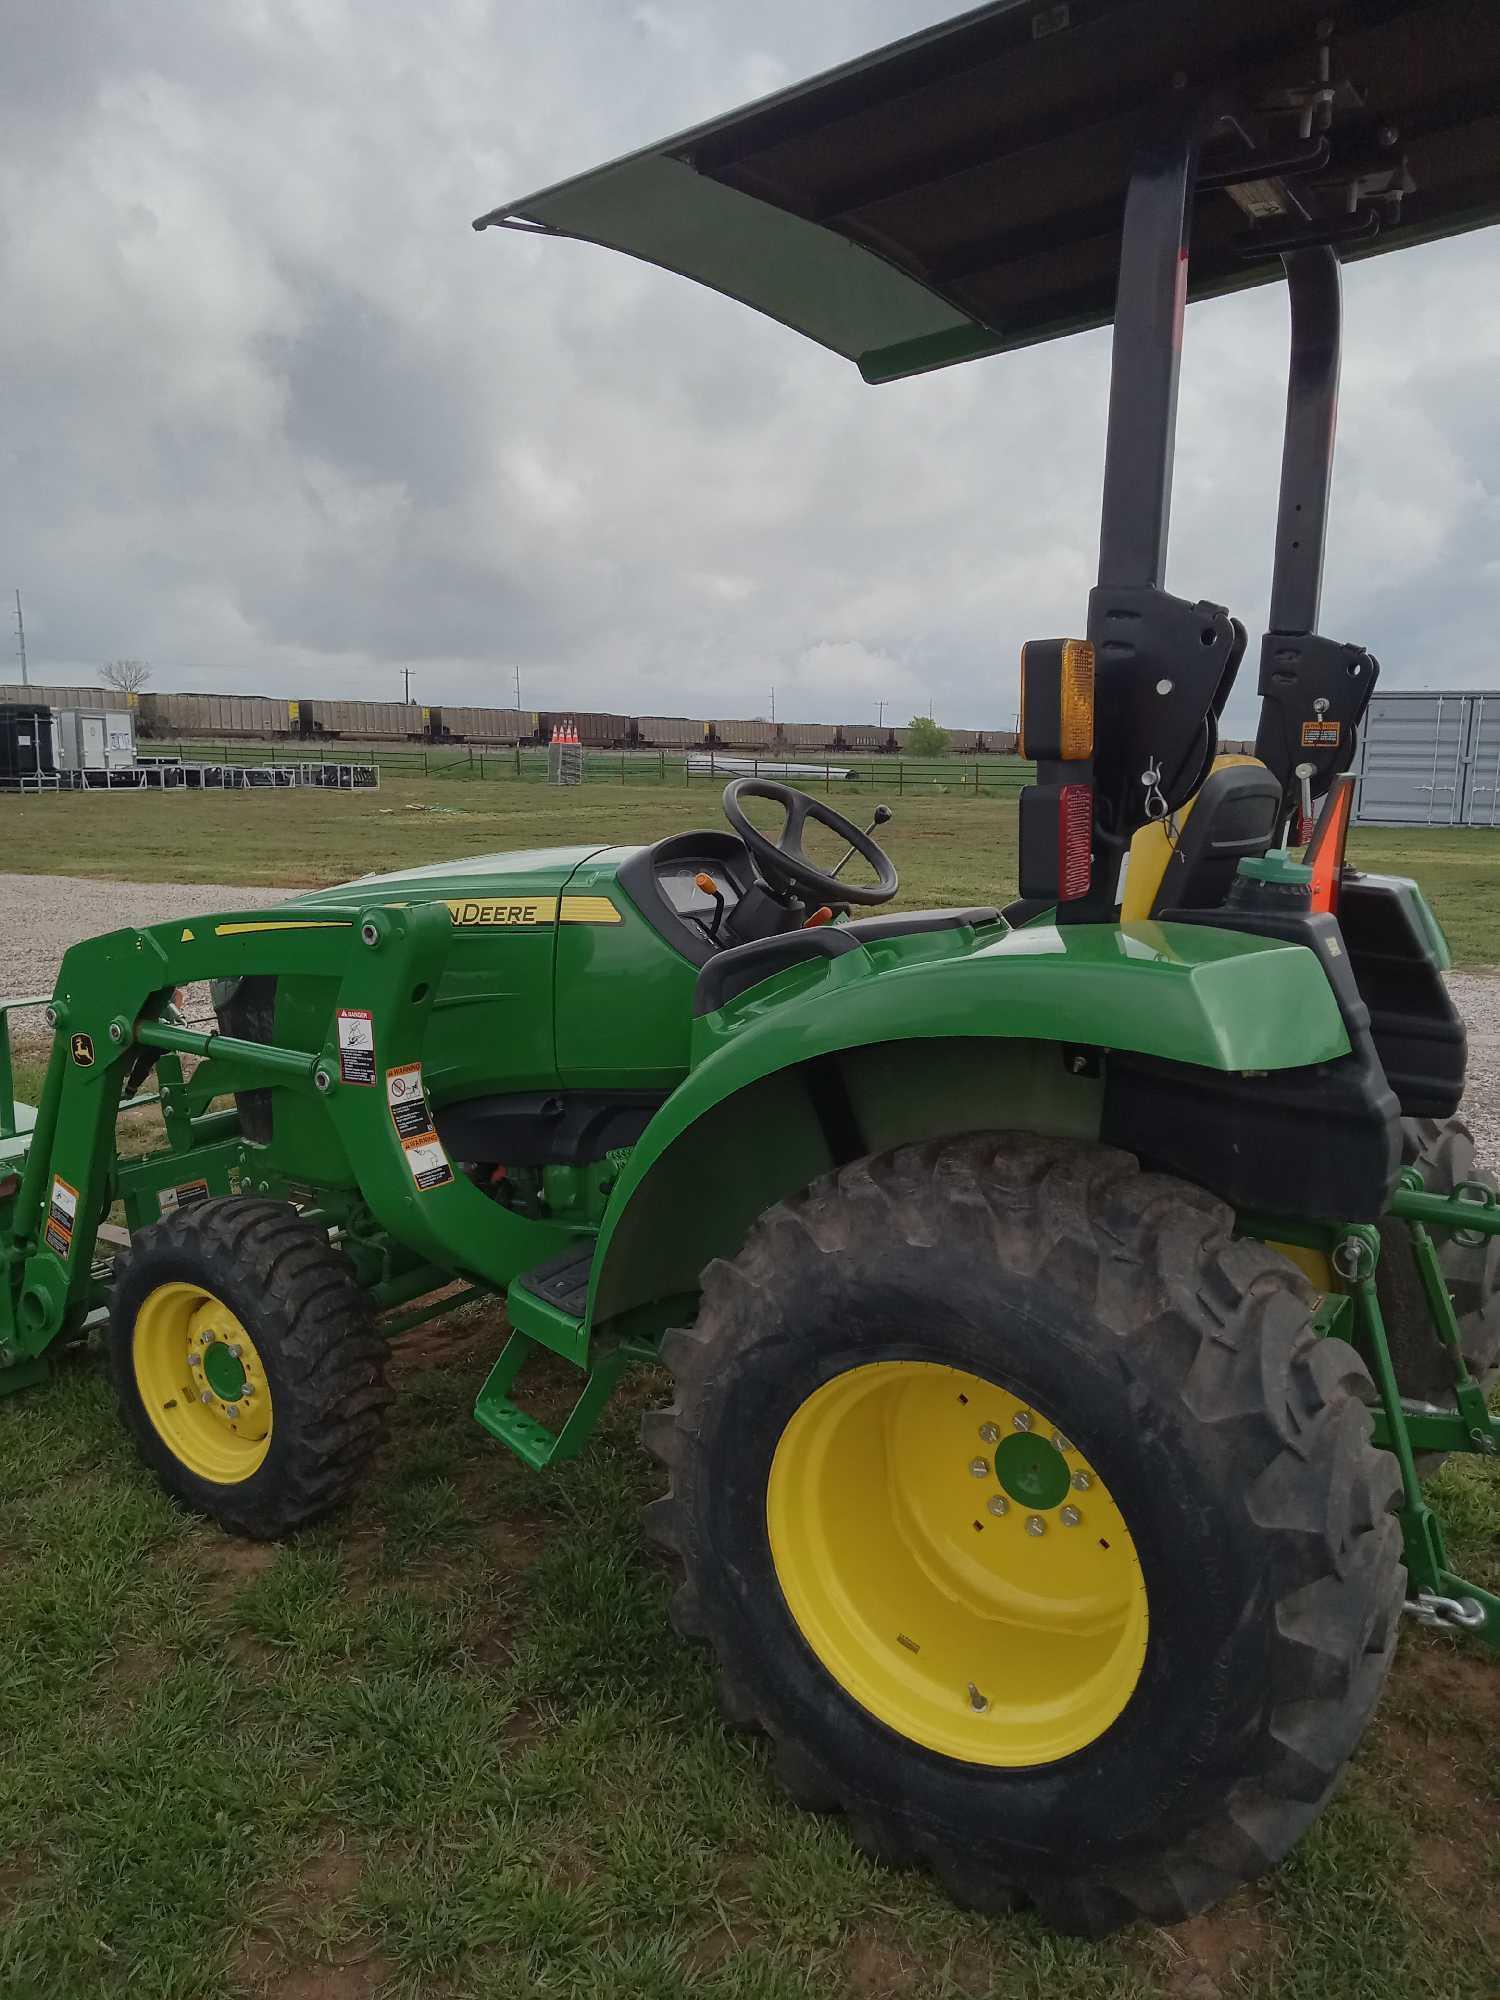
783	863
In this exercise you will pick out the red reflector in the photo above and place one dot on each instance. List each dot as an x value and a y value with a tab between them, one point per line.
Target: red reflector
1075	840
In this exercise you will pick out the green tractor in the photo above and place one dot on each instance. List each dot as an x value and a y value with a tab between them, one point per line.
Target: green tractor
1061	1300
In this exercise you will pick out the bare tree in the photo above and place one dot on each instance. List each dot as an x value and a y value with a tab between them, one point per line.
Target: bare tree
129	676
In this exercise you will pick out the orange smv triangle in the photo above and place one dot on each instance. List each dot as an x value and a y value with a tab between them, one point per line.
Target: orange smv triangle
186	938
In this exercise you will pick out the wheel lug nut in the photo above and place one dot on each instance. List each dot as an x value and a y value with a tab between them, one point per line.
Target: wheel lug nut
1062	1443
988	1433
207	1396
1035	1525
998	1504
195	1361
980	1467
1022	1420
231	1410
1082	1481
1070	1517
978	1702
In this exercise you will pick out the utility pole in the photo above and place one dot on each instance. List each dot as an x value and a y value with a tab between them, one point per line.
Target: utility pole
518	687
773	704
406	676
880	715
21	640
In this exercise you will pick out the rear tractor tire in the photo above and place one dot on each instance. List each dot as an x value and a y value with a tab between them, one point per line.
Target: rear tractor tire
1029	1517
245	1365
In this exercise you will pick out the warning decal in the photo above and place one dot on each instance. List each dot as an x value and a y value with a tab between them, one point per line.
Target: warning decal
356	1045
427	1160
184	1196
1317	735
408	1102
62	1213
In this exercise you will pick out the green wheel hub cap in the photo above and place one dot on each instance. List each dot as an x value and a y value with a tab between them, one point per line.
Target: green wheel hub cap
223	1373
1032	1471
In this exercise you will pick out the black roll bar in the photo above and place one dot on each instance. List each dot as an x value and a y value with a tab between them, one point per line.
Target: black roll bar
1144	361
1314	286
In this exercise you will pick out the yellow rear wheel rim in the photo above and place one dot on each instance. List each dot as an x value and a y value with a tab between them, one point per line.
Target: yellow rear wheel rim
202	1383
956	1563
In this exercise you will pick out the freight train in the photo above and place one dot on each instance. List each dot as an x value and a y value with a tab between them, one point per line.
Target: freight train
221	718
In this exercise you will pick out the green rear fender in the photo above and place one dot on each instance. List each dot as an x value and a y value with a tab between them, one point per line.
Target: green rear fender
891	1045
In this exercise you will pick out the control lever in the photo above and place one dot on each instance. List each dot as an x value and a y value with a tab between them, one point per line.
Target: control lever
710	887
882	814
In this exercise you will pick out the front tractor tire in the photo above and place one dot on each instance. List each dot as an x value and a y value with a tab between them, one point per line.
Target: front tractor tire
245	1365
1029	1517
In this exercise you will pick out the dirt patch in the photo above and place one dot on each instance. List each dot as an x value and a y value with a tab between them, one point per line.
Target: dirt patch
330	1877
356	1979
1214	1955
522	1727
705	1954
16	1876
129	1671
878	1969
1453	1688
229	1564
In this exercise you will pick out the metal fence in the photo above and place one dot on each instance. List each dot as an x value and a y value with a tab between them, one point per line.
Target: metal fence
902	777
1430	759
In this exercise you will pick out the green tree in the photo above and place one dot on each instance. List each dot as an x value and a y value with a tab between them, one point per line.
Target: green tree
926	738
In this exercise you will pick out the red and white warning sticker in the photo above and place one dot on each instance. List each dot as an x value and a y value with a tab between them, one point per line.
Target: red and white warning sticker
408	1100
62	1213
356	1045
427	1161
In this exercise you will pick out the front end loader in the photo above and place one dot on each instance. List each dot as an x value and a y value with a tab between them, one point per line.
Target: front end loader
1063	1301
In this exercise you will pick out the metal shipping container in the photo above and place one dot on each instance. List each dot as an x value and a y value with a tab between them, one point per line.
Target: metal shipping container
1430	759
94	739
28	742
863	735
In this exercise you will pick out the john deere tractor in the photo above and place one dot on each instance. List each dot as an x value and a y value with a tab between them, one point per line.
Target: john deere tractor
1061	1299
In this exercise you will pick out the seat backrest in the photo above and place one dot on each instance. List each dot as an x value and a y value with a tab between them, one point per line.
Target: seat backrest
1234	813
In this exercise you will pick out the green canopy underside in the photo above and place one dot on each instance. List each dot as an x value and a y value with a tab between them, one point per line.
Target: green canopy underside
961	192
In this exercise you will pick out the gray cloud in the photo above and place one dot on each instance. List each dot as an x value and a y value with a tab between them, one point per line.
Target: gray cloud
276	418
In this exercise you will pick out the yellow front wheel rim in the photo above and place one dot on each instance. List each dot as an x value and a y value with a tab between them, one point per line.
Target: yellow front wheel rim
202	1383
956	1563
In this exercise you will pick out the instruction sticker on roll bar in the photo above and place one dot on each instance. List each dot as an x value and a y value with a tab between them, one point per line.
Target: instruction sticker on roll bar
408	1101
356	1045
427	1161
62	1213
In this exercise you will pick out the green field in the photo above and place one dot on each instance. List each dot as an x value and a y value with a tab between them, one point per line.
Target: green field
950	846
446	1745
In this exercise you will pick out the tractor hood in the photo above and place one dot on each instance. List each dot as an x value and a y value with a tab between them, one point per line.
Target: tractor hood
524	872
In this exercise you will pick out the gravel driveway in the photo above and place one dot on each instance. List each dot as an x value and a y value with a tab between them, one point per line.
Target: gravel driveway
41	915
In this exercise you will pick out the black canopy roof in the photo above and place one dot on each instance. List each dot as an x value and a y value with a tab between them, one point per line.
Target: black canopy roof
960	192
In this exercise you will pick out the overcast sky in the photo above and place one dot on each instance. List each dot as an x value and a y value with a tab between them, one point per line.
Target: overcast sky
274	418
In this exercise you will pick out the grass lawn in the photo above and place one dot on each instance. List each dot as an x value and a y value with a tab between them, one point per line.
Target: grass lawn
446	1745
950	847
